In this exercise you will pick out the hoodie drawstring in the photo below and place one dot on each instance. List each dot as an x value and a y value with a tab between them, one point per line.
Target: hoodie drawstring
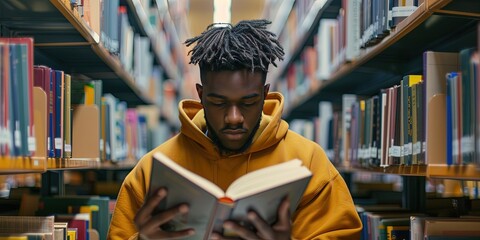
248	162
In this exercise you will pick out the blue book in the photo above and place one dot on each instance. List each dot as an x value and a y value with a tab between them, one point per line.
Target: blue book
51	109
449	139
14	104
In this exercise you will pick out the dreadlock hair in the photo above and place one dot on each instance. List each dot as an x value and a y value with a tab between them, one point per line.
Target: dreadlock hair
247	45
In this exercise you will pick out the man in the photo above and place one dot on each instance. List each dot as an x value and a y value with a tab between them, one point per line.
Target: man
234	129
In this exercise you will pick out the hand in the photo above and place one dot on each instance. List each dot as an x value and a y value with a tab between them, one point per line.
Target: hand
279	230
149	225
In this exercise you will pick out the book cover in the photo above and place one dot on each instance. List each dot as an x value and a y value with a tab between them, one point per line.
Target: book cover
67	118
436	66
61	205
398	232
33	225
58	112
260	190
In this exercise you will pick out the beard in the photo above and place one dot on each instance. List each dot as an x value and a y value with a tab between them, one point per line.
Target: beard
228	151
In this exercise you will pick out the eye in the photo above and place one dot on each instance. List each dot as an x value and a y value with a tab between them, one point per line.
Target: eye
218	104
248	104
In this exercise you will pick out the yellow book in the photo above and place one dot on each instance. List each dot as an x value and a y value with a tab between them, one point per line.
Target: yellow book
89	94
71	234
14	238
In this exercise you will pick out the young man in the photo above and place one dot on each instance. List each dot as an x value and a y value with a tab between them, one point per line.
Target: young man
234	129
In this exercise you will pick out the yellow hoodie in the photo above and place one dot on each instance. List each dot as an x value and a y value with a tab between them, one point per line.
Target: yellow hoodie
326	211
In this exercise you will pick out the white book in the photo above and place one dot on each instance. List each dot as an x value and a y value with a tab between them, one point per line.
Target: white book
209	206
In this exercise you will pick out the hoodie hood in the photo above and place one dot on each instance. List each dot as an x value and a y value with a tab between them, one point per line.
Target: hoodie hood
271	130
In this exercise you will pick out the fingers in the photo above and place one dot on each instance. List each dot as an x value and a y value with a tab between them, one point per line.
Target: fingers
172	235
148	224
263	228
165	216
239	230
146	211
283	222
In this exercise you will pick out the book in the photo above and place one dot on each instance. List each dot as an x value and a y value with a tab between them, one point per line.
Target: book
261	190
435	67
28	225
398	232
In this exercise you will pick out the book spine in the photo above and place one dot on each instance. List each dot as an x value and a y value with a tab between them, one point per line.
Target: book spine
67	124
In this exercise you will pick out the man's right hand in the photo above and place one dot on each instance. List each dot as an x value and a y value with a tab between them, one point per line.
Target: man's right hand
149	225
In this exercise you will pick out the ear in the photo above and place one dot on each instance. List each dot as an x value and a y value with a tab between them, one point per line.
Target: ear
199	90
266	88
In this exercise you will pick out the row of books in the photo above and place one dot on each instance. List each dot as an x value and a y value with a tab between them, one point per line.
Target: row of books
358	25
62	218
426	119
81	121
16	102
112	21
392	222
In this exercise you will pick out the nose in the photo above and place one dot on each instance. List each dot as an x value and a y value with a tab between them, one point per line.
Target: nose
234	116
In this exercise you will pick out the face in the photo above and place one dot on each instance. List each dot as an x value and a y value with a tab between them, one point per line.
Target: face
233	103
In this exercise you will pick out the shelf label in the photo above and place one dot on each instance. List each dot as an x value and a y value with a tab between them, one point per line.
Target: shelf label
18	142
417	148
32	144
404	11
68	148
3	136
101	144
395	151
407	149
374	152
455	147
468	144
58	143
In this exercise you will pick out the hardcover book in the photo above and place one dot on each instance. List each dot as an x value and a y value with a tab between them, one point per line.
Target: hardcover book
261	190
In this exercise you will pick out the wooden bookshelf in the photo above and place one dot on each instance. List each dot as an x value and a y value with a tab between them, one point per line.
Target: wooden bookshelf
413	170
465	172
384	64
63	40
71	163
319	9
146	29
9	165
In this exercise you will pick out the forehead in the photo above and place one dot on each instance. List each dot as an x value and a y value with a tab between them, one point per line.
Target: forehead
238	79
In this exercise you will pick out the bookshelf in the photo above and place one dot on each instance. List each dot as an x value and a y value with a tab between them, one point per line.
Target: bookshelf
65	39
436	25
399	53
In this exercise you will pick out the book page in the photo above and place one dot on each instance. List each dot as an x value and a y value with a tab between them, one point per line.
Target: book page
192	177
184	187
267	178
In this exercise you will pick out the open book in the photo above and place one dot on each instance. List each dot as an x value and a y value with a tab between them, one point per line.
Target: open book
261	190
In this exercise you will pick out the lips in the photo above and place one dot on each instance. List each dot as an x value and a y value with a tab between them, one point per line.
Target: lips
234	134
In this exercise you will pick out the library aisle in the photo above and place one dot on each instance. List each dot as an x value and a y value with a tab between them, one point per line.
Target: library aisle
389	89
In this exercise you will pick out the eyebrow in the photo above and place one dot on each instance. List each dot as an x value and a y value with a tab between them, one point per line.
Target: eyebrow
224	97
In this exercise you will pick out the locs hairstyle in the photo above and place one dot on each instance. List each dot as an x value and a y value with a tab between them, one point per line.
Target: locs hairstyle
247	45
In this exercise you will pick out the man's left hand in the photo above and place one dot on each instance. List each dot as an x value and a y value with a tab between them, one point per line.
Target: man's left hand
279	230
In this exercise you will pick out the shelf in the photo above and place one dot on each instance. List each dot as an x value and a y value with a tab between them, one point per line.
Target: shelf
21	165
123	165
283	9
71	163
465	172
413	170
64	41
162	55
399	54
319	9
